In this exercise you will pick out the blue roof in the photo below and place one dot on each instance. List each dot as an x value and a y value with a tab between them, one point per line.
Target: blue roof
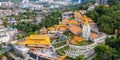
4	35
11	21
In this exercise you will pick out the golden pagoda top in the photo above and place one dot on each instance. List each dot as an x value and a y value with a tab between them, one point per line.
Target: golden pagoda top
86	23
36	40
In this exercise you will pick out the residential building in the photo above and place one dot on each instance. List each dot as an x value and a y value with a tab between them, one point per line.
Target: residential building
12	21
1	22
79	1
61	2
4	38
25	1
7	34
31	6
6	4
68	15
49	1
21	50
104	2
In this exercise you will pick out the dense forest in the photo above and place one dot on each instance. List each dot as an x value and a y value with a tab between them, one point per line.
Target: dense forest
107	17
108	20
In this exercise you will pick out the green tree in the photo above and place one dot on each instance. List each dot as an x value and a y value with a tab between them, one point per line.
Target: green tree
29	59
80	57
1	47
1	55
105	52
19	36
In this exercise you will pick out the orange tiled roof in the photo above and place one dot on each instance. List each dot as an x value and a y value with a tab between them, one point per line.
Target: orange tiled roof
94	35
71	21
76	40
75	29
64	21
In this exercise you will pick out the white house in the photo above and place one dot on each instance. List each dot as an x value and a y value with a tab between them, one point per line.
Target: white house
21	50
7	34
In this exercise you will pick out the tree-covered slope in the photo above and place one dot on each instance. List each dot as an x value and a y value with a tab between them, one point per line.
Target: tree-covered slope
107	17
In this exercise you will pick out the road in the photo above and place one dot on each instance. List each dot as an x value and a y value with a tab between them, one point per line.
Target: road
6	49
92	56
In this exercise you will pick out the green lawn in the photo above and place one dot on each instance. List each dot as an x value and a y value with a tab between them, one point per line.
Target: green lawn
59	44
84	43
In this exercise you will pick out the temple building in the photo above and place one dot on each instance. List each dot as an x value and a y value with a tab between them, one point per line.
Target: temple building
36	42
38	45
86	35
43	30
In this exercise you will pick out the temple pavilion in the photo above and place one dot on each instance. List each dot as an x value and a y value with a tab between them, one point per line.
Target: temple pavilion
36	42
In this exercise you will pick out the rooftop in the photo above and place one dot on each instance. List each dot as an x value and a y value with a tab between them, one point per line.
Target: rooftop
75	29
76	40
36	40
94	35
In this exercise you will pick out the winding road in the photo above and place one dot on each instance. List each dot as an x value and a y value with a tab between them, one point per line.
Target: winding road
6	49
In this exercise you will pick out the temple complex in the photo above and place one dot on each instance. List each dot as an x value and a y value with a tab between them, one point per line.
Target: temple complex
71	37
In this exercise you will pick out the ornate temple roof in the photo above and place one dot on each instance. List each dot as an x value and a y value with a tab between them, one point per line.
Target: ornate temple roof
36	40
